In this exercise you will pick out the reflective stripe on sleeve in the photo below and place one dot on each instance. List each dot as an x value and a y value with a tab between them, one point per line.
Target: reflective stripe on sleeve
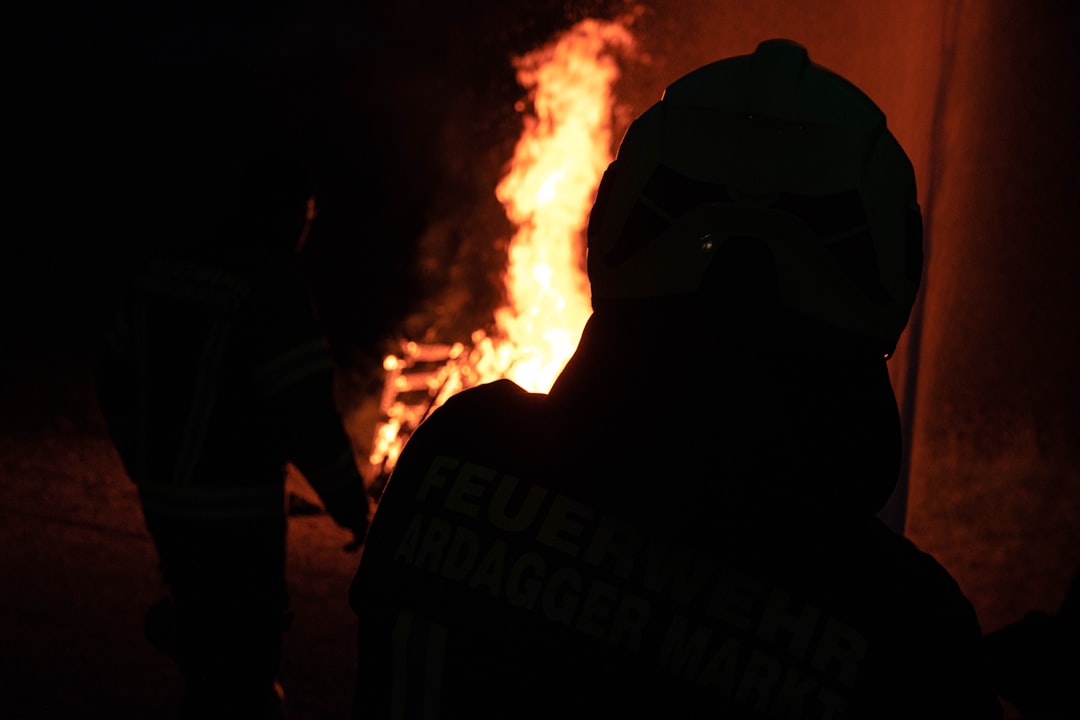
202	403
210	286
293	366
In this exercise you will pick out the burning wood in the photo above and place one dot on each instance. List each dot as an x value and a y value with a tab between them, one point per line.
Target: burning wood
565	146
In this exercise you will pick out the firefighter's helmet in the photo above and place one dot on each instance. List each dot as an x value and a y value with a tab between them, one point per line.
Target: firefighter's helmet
775	148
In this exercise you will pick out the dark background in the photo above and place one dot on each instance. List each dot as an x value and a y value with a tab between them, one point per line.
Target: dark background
124	117
130	116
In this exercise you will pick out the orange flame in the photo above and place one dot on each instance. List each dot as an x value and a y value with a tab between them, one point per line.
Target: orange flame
547	192
557	166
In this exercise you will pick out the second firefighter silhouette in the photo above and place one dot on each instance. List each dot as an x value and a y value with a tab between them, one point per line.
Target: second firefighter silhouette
214	376
685	526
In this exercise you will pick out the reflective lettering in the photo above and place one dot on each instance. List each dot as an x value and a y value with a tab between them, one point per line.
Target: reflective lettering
558	604
791	698
801	624
461	554
467	488
525	580
631	616
617	542
564	524
437	475
488	575
596	611
500	513
759	681
433	545
834	706
842	645
681	655
681	573
719	672
528	547
406	549
733	599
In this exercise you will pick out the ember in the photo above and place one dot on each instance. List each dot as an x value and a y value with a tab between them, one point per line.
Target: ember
563	151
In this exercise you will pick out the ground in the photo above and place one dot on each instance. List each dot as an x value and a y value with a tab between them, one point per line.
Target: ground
79	571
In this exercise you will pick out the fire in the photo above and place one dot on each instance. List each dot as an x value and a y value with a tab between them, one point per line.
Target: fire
547	192
557	166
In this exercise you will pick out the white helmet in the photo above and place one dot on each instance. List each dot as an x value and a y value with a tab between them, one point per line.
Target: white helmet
773	147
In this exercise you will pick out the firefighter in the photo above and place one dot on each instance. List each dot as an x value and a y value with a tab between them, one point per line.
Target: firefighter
214	377
686	524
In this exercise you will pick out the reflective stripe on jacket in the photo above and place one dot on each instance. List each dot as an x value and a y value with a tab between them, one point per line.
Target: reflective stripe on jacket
213	377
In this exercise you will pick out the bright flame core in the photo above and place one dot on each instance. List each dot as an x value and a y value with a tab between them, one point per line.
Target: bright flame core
557	165
547	192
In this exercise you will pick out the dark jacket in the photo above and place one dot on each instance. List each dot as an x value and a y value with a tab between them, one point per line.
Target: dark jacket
213	376
594	552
